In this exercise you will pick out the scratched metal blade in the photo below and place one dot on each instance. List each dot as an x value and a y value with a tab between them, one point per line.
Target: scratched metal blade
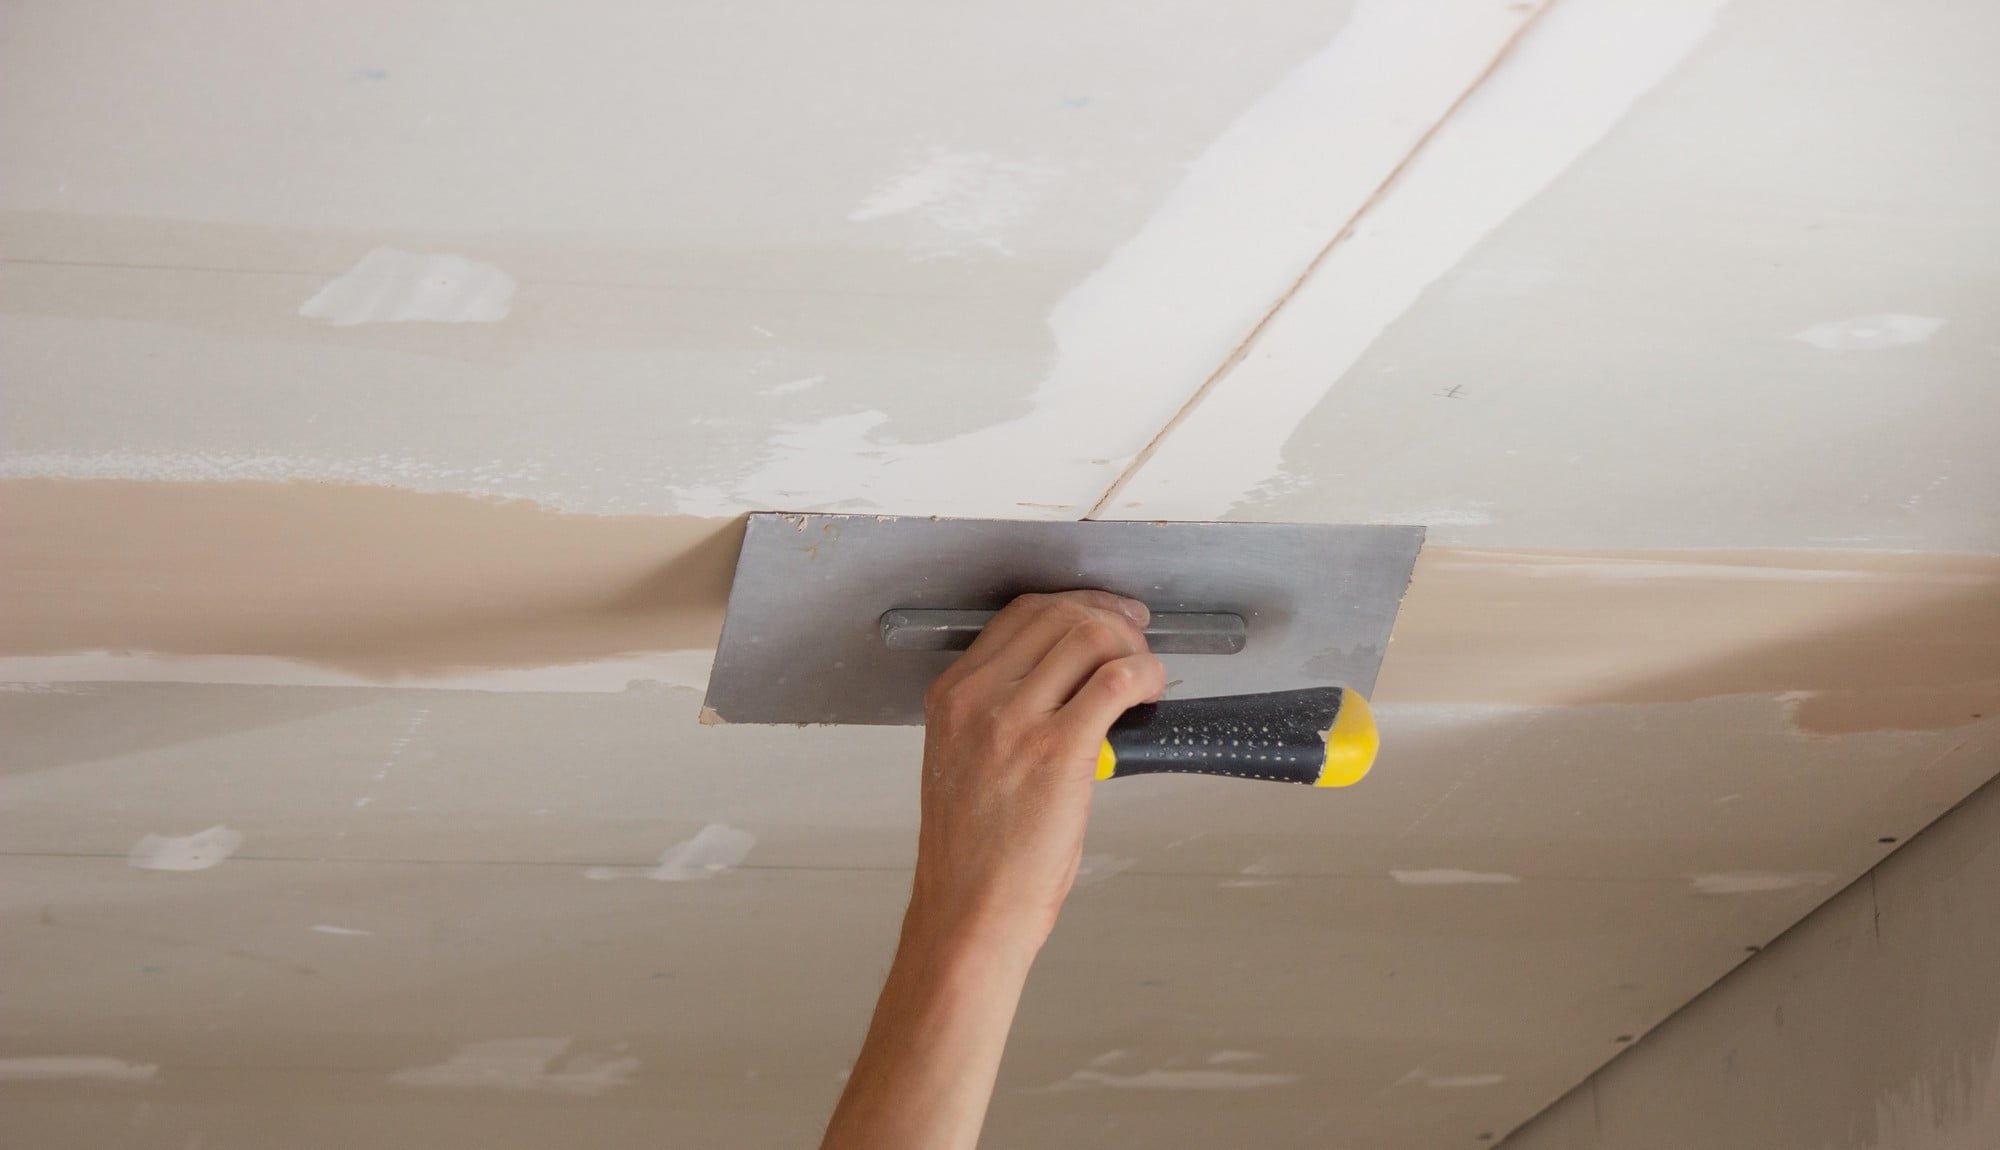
802	641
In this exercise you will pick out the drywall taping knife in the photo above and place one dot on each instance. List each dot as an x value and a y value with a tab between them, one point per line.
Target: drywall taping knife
1320	736
1278	628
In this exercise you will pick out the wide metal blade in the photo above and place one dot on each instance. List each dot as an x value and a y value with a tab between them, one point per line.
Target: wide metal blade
803	640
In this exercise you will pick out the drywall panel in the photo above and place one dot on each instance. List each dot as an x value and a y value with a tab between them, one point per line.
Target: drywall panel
1873	1023
1754	311
708	258
586	907
332	780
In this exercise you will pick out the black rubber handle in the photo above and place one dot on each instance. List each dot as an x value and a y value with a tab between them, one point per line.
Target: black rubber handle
1320	736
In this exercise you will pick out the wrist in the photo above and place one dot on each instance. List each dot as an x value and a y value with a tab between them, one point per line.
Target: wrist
955	933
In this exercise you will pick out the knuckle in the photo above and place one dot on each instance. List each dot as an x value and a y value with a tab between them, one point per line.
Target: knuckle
1100	633
1068	608
948	702
1120	675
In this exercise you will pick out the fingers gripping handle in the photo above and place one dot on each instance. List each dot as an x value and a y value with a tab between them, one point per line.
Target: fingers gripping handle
1320	736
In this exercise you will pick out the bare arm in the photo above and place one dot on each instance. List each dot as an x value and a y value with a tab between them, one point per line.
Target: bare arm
1010	749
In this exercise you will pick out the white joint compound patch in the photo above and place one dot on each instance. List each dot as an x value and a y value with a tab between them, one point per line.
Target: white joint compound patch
713	850
390	285
1422	1077
1096	868
795	386
1175	1080
1444	876
1757	881
1870	332
524	1064
325	928
970	199
198	851
74	1067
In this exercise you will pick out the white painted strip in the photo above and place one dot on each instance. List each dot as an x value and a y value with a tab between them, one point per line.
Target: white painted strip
1569	81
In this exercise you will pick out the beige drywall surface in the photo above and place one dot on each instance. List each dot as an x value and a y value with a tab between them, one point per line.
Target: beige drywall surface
383	387
1874	1023
684	926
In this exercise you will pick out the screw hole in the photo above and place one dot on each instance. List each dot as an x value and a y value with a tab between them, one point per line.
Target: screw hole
1886	839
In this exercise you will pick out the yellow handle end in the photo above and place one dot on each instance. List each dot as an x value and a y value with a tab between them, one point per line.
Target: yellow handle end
1107	760
1351	744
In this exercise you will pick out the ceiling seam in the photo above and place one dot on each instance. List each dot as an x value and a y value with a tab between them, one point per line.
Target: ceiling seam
1242	349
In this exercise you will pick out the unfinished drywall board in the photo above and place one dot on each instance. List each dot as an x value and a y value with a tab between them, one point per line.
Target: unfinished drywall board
435	824
959	282
1874	1022
1673	333
427	875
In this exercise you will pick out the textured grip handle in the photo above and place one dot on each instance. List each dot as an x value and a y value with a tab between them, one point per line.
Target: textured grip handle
1320	736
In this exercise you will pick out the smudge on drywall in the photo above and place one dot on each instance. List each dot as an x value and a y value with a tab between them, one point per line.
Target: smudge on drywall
1190	1079
198	851
793	387
1757	881
523	1064
346	931
1870	332
390	285
1444	876
1095	868
1422	1077
74	1068
965	201
715	849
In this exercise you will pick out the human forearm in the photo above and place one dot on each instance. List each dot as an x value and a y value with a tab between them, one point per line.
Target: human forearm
1012	731
926	1071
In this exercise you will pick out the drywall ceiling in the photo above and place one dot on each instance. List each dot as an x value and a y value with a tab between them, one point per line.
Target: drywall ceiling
346	801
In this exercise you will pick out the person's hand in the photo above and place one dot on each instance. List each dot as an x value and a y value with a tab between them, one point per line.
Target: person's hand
1010	752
